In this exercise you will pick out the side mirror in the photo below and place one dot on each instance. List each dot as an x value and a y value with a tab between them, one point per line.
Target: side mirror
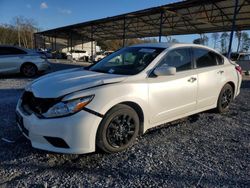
165	71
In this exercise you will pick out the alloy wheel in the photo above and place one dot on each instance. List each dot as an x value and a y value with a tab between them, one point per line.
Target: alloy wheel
121	130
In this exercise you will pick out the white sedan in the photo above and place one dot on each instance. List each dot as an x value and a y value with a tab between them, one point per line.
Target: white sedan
110	103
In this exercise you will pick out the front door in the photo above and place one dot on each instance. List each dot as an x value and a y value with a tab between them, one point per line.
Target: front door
173	95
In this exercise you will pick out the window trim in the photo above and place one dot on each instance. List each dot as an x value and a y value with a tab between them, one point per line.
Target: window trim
194	59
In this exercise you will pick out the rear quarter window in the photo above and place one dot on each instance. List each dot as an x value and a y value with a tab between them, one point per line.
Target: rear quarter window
207	58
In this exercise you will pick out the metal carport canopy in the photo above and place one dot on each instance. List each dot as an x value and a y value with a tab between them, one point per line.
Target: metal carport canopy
185	17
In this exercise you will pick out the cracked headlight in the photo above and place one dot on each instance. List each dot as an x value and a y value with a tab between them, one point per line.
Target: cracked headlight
68	107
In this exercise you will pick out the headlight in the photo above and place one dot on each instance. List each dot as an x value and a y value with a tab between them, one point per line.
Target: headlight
68	107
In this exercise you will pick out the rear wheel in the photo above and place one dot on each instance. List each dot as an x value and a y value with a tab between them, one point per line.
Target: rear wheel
118	130
29	69
225	98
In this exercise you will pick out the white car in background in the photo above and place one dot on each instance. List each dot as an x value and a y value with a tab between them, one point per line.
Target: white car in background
20	60
78	55
99	56
109	104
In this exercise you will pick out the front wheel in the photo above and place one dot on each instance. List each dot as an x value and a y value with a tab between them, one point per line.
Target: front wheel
29	70
225	98
118	130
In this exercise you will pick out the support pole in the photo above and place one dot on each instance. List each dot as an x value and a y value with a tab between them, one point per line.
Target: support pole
233	29
92	38
82	44
52	43
55	44
160	33
35	43
49	39
68	44
71	42
44	42
124	32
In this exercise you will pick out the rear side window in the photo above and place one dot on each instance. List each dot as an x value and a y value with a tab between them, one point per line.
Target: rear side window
11	51
178	58
206	58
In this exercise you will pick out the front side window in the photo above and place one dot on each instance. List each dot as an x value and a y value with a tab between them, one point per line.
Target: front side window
205	58
178	58
127	61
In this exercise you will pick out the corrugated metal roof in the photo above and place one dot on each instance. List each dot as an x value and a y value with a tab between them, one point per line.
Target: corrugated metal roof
185	17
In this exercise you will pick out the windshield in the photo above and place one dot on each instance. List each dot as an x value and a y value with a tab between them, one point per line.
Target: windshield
127	61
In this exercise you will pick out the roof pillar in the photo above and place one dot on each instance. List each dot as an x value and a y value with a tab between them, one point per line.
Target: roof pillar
233	28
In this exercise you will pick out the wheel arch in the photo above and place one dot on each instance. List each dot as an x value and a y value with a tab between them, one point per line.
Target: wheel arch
232	84
139	112
27	62
137	109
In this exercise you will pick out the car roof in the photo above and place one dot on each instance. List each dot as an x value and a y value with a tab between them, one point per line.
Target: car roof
167	45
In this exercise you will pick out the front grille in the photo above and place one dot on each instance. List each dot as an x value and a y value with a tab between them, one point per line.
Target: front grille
32	104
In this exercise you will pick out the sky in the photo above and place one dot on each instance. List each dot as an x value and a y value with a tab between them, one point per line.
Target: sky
49	14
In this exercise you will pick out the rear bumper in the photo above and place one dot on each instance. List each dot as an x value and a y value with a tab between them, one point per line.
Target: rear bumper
77	131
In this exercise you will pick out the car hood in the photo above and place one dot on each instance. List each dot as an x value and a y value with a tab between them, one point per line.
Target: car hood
65	82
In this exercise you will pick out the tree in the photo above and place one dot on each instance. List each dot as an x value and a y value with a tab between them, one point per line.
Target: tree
202	40
116	44
215	37
20	32
171	40
245	42
224	42
238	36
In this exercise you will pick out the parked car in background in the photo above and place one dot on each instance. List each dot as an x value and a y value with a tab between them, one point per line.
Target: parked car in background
20	60
243	60
47	54
59	55
110	103
100	55
78	55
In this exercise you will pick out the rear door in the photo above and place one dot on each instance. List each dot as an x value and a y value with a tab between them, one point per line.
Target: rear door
210	71
10	59
173	95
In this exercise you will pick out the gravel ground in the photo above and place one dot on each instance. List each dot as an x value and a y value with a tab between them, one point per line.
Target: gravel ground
204	150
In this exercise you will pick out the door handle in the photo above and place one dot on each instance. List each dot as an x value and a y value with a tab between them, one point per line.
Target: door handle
192	79
220	72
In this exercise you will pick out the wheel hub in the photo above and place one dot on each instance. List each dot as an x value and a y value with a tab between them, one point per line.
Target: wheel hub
226	98
121	129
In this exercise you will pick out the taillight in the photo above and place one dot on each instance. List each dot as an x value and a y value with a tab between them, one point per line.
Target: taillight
239	69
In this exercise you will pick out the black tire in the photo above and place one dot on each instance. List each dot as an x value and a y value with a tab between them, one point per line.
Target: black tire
29	70
225	98
118	129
